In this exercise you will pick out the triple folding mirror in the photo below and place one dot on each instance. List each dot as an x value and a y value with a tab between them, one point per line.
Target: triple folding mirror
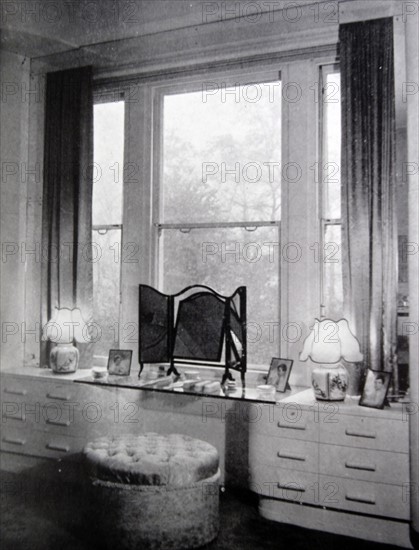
196	326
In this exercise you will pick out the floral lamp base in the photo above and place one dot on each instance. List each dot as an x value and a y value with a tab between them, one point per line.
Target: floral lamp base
330	382
64	358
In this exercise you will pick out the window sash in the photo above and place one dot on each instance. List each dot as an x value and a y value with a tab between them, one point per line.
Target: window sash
325	221
228	80
231	262
111	333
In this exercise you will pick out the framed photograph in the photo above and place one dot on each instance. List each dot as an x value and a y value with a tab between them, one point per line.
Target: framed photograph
119	361
375	389
279	373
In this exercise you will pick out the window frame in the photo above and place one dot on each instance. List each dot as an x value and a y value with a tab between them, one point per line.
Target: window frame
324	70
300	219
101	97
193	83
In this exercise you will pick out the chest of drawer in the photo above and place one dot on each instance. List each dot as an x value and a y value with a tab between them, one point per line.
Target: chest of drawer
369	433
294	454
364	464
285	484
29	442
289	421
65	408
369	498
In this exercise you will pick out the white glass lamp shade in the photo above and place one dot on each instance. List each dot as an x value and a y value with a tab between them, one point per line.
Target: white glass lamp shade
65	326
81	330
349	345
329	342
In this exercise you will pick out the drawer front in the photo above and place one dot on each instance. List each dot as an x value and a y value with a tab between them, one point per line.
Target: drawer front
16	397
37	402
46	416
27	390
369	498
33	443
368	433
65	408
283	453
364	464
290	421
285	484
13	389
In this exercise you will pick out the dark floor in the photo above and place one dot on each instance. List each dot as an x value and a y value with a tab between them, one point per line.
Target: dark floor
43	507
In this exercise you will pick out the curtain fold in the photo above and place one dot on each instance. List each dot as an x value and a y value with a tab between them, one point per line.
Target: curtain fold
369	228
67	275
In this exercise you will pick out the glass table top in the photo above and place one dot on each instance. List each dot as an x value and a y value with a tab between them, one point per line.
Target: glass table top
186	387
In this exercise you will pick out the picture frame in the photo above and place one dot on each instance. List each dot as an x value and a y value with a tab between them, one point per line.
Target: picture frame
279	373
402	255
374	392
119	362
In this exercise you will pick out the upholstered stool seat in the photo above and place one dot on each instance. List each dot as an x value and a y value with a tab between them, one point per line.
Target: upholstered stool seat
155	491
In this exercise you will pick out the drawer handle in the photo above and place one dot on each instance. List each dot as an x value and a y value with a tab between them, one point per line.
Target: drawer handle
359	466
367	435
59	397
12	391
58	422
288	487
367	499
14	441
292	427
291	457
57	447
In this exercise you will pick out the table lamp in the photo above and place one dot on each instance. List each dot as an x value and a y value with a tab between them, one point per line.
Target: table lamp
327	344
65	326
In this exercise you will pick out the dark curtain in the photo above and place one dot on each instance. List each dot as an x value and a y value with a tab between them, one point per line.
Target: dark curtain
369	231
67	279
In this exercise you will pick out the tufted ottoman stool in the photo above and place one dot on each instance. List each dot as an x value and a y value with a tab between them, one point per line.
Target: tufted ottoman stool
154	491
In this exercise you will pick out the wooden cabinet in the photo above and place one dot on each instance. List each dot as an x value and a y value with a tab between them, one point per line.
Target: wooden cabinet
343	460
38	417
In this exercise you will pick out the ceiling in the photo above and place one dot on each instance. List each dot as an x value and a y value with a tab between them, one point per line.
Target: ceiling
44	27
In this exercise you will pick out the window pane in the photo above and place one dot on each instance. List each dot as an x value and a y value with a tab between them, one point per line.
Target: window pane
106	284
331	156
225	259
332	272
107	210
108	158
222	154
